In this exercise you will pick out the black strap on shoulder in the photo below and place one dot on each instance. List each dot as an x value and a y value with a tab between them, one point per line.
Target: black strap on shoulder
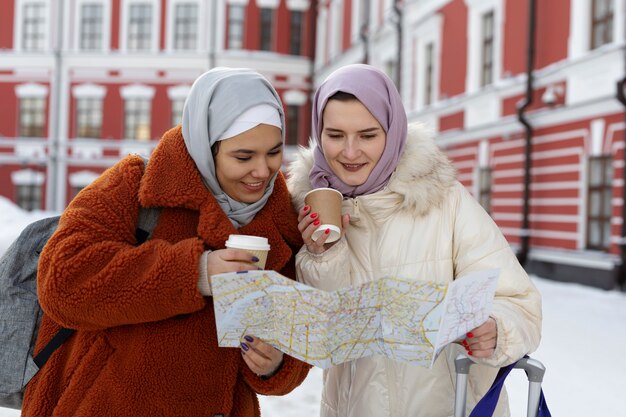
58	339
148	218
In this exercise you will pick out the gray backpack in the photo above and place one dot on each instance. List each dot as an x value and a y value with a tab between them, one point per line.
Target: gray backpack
20	313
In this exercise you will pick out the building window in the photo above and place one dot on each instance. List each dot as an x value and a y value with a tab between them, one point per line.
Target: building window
429	73
33	33
484	188
601	22
140	27
295	42
28	196
177	111
32	117
267	24
88	117
91	27
137	119
293	125
185	26
599	204
486	77
236	15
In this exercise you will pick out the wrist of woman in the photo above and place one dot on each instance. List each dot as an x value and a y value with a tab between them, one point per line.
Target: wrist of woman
274	372
204	284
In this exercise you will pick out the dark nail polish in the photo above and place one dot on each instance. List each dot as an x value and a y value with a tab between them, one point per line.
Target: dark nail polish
249	338
244	346
255	259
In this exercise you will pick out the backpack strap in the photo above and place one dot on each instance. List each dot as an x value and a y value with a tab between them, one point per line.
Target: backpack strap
147	221
148	217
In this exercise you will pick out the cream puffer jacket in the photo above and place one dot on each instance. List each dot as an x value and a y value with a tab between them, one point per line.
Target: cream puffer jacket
423	225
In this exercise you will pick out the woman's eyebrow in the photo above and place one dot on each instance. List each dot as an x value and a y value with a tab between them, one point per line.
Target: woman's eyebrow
367	130
250	151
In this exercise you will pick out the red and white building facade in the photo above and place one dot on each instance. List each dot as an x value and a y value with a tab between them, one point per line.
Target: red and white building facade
83	83
462	68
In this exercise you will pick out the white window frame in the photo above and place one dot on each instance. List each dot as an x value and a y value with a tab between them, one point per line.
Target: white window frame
88	91
428	32
19	23
138	92
170	24
476	10
178	93
156	18
580	19
106	24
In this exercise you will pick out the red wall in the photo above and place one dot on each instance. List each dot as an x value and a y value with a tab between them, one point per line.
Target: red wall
453	49
6	24
8	116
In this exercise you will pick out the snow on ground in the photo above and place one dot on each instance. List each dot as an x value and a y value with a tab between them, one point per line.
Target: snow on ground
584	335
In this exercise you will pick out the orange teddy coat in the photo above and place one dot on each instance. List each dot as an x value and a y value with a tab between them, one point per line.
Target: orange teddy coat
146	342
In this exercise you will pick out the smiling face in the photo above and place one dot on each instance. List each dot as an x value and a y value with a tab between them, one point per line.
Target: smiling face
352	140
245	163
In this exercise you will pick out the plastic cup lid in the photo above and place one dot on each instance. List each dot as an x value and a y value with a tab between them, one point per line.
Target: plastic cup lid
247	242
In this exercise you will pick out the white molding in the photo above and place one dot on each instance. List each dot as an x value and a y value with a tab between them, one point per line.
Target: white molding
31	90
154	35
294	97
580	26
82	178
137	91
587	259
89	91
237	2
178	92
271	4
27	177
299	5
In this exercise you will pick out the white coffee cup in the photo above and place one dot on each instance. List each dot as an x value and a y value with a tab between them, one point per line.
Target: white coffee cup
255	245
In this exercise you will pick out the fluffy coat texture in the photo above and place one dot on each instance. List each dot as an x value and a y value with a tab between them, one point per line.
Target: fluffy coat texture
423	225
146	341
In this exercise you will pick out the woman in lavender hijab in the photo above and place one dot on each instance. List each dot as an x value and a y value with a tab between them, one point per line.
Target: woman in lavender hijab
404	215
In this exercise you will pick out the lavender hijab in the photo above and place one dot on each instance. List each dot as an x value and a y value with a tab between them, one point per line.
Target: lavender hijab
379	95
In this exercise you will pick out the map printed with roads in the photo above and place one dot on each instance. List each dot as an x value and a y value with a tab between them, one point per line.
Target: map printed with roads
404	320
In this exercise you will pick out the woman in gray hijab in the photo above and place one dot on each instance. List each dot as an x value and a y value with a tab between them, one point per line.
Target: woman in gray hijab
145	341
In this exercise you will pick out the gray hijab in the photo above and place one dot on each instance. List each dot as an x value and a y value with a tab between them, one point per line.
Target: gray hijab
217	98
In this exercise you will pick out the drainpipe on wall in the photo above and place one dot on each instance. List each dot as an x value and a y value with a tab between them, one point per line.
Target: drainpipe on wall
365	30
399	10
521	117
52	199
621	96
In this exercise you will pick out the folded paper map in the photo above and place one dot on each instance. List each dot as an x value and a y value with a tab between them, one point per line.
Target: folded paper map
405	320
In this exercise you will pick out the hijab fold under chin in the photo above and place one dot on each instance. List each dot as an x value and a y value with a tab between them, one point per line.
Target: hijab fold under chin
379	95
217	98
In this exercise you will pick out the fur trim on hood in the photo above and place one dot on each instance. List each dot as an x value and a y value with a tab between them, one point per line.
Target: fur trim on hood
422	176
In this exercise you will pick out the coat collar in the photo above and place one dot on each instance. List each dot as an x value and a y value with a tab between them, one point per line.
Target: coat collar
172	180
421	178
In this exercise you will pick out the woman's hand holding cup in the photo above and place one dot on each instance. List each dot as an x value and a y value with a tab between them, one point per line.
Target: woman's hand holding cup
309	222
230	260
